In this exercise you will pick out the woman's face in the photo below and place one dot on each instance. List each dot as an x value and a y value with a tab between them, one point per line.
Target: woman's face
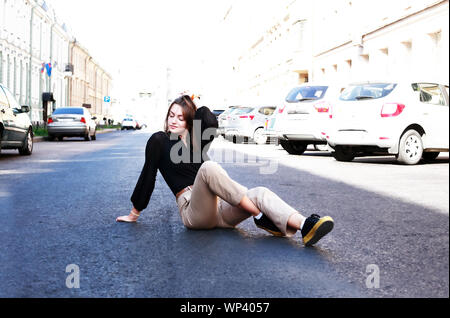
176	122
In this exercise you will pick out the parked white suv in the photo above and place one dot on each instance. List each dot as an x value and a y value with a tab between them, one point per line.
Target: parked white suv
409	120
304	117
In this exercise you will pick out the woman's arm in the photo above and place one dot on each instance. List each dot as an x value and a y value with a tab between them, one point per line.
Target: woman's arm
208	121
146	182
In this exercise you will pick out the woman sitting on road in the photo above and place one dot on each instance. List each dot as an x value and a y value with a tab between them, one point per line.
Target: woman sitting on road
206	196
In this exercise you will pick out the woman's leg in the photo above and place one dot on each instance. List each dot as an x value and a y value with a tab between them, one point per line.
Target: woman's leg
212	181
295	220
286	218
237	204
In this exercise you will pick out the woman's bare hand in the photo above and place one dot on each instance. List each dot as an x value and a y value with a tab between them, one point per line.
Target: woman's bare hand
132	217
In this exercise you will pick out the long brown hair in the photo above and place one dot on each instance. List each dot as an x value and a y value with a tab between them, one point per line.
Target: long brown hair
188	108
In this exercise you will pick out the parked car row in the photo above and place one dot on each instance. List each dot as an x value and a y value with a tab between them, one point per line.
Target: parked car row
245	122
409	120
16	131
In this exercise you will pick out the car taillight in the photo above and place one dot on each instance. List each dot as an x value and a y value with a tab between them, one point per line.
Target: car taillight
245	116
392	109
322	107
281	110
83	120
50	120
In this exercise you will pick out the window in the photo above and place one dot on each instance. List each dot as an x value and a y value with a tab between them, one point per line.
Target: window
1	67
367	91
299	27
12	101
244	111
302	93
429	93
8	72
68	111
3	99
267	111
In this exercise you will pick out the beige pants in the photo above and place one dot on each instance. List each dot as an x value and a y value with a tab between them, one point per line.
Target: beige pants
212	202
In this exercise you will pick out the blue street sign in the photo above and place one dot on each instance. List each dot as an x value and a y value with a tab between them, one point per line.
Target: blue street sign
107	99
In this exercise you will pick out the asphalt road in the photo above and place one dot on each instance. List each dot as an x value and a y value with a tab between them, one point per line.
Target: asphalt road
58	207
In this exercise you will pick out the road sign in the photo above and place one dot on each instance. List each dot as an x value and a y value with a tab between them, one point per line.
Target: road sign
107	99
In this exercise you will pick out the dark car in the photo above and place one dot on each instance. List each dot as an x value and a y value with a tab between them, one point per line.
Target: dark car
16	131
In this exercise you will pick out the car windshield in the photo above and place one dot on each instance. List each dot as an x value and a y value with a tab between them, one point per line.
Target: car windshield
234	111
68	111
367	91
244	110
303	93
227	111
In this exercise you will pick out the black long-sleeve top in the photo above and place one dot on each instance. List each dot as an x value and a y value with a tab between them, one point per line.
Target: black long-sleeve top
177	163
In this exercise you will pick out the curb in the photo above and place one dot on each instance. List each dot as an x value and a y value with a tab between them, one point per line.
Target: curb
98	132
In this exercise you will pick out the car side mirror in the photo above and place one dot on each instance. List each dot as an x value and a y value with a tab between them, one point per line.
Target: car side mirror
25	109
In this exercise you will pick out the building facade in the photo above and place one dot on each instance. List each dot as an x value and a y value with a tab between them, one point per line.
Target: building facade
33	54
342	41
36	63
408	41
89	83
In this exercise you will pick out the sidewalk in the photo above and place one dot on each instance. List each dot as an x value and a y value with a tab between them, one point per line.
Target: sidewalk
98	132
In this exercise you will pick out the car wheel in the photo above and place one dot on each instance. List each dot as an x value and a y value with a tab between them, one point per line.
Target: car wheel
50	137
234	138
430	156
27	147
410	148
294	147
258	136
60	138
344	154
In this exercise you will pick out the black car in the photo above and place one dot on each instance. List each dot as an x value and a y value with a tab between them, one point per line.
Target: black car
16	131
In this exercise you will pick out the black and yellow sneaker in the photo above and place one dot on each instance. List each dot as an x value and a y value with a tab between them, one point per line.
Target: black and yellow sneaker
315	228
267	225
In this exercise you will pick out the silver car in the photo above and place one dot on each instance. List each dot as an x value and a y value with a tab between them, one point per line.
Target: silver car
304	118
71	122
248	123
224	119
